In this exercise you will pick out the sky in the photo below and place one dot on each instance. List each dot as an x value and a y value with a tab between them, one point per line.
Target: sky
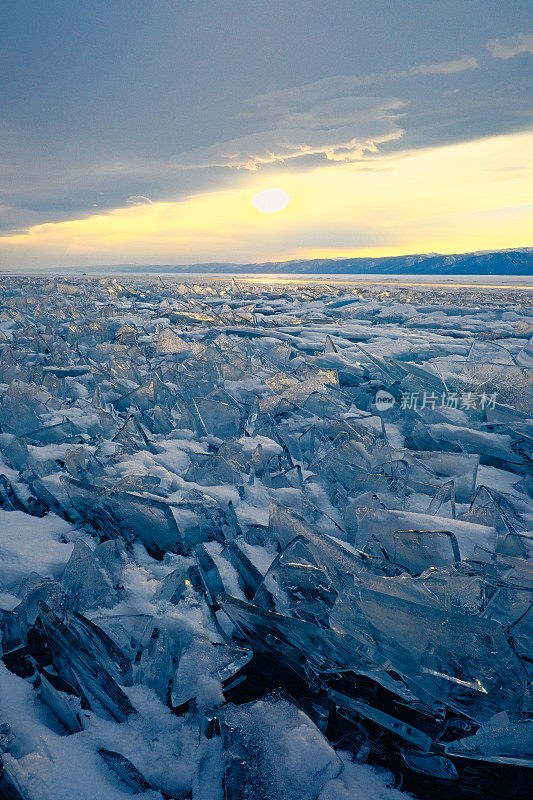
139	132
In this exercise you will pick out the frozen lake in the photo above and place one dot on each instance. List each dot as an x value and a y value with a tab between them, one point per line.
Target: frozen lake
295	279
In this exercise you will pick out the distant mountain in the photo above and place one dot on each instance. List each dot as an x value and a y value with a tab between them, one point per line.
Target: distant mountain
493	262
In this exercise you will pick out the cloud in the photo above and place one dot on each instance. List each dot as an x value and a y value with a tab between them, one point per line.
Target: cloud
340	85
512	46
442	68
338	128
328	118
138	200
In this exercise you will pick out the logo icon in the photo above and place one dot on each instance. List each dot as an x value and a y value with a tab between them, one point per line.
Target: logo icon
384	400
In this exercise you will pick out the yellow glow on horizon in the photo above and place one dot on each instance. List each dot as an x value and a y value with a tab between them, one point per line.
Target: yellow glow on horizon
458	198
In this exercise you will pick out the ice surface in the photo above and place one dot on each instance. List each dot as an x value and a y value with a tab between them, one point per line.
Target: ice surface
265	541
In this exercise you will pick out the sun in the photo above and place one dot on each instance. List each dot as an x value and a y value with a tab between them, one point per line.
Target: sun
271	200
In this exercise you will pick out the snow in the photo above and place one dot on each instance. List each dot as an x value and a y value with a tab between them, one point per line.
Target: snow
30	544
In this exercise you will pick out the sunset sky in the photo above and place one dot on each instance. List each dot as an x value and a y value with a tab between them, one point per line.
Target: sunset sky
141	132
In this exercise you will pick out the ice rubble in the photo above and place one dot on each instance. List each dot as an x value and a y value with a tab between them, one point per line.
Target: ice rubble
225	569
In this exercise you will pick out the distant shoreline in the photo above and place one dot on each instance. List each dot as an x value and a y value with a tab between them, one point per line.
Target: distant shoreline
517	262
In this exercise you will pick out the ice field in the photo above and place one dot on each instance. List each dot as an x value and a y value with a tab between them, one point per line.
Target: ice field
265	539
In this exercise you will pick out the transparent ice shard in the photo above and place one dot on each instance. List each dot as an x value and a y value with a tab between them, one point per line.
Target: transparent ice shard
309	443
129	632
322	376
460	467
50	496
131	435
454	438
113	365
382	524
525	357
210	469
198	519
501	740
429	764
169	342
287	478
71	371
82	669
428	375
388	369
518	545
286	526
148	518
417	550
85	582
33	591
362	446
511	384
77	461
298	585
138	483
409	733
462	661
361	483
219	419
94	641
485	510
209	574
249	575
52	692
443	500
9	499
12	633
126	334
190	317
127	773
196	381
488	352
300	645
171	587
513	608
200	660
279	355
142	398
21	411
231	526
154	665
112	559
158	420
9	784
320	405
